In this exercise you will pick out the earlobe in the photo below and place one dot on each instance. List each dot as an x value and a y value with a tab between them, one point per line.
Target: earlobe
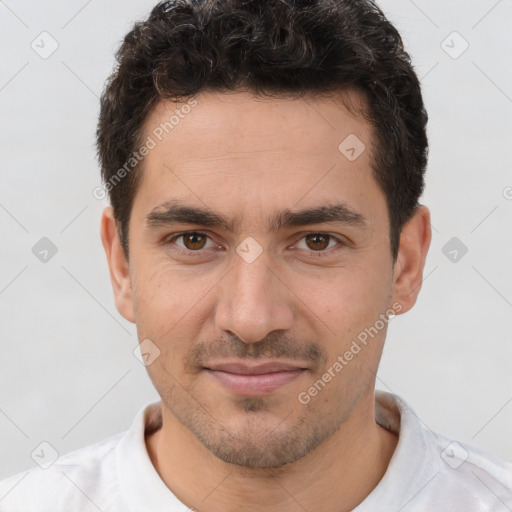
118	265
408	271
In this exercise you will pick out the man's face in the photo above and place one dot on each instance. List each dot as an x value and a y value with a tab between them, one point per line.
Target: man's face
268	286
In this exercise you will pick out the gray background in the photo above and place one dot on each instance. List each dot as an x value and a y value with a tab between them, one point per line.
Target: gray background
68	375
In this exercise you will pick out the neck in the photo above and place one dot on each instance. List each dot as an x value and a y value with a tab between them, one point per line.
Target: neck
334	477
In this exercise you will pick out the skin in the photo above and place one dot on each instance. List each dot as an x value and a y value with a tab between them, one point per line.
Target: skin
249	158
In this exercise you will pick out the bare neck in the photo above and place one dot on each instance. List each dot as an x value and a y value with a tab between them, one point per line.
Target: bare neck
334	477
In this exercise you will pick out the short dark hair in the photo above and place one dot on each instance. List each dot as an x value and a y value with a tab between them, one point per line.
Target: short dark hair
269	47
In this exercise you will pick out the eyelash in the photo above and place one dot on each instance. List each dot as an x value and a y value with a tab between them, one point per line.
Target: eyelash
187	252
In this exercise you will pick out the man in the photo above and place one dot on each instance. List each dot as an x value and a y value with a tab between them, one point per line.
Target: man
264	162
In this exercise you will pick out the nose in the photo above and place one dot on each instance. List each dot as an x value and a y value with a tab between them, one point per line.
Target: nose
254	301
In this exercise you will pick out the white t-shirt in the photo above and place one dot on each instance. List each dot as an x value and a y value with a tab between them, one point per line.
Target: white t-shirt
427	472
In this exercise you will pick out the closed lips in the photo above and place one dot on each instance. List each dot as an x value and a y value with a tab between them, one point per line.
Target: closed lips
262	369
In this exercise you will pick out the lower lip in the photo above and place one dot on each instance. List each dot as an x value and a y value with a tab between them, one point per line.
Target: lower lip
254	385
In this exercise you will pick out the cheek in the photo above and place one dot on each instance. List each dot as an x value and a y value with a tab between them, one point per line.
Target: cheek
169	301
155	300
347	298
347	307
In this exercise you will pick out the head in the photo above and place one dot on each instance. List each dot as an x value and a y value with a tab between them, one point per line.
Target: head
287	138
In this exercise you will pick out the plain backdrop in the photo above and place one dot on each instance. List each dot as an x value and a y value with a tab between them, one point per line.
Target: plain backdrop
68	374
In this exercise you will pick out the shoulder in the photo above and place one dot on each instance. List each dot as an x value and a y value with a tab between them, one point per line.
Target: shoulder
78	480
430	471
468	473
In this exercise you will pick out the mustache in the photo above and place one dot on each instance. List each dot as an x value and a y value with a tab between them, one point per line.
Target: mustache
274	346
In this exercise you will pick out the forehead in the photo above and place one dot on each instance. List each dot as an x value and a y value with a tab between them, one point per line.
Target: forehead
237	151
257	123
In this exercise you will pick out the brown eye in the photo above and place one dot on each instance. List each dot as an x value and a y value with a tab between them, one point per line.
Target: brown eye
194	241
317	241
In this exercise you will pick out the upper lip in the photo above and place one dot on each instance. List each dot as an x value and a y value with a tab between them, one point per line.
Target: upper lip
254	369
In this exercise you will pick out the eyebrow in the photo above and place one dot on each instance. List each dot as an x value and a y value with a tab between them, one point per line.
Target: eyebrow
169	213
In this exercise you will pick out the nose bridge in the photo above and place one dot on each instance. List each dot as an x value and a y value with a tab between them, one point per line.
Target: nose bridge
253	302
251	279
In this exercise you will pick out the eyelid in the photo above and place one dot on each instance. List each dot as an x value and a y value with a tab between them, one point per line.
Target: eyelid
341	241
172	239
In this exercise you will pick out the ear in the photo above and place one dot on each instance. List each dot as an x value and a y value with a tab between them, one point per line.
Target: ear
408	270
117	264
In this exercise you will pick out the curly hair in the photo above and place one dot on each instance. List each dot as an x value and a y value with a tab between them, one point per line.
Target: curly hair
271	47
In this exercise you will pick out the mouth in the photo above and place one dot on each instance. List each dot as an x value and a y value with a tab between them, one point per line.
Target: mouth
254	380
